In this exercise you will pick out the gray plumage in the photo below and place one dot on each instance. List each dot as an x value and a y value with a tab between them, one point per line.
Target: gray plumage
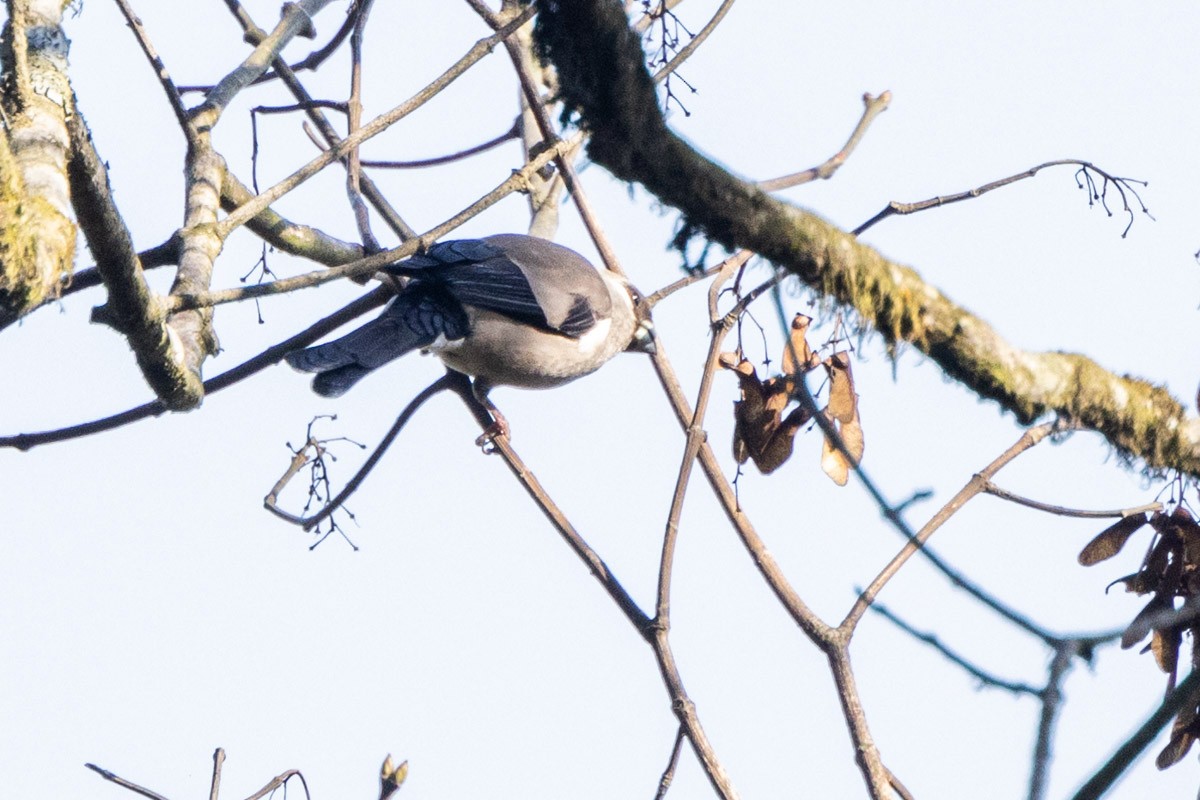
507	310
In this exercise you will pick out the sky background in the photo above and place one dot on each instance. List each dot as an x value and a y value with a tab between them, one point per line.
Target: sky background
152	611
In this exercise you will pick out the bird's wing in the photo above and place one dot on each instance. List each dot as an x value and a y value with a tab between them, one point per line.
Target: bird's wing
531	280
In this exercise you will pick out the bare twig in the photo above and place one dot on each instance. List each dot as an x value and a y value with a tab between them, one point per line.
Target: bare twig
654	634
695	42
1052	700
664	783
362	217
373	128
973	487
279	781
566	167
284	234
119	781
1083	179
328	133
310	522
1062	511
872	107
218	761
317	57
272	355
373	263
437	161
295	20
160	68
983	676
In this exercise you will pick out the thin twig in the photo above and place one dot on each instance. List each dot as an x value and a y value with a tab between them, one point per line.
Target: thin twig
695	42
272	355
371	129
1063	511
972	488
984	677
664	783
317	57
551	139
1083	179
311	521
295	19
328	133
872	107
119	781
362	217
438	161
373	263
281	780
218	761
1052	700
656	636
160	69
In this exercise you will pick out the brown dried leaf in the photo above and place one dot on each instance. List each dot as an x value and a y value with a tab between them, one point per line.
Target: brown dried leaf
740	451
1140	627
779	449
843	402
1165	646
834	463
1110	541
754	422
798	356
1175	750
777	393
852	437
1183	734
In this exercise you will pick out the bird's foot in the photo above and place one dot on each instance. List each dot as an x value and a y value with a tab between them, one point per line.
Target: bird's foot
499	427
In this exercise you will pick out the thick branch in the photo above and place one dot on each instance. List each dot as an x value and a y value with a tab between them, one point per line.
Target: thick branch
37	237
132	307
604	80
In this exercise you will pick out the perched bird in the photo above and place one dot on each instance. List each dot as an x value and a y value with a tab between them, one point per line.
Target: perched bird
507	310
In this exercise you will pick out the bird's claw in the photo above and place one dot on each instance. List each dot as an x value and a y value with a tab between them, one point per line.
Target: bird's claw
487	439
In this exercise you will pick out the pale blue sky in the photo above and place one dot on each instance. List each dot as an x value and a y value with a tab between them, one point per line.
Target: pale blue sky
154	611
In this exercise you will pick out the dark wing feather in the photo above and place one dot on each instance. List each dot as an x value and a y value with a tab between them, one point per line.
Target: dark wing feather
480	274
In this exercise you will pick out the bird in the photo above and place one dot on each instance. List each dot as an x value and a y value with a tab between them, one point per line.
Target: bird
506	310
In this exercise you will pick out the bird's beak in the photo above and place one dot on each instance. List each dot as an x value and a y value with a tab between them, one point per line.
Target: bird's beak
643	338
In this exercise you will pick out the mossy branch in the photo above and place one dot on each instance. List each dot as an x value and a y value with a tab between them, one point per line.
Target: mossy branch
604	82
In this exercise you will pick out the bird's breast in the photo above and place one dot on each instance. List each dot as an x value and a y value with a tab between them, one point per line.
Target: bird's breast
505	352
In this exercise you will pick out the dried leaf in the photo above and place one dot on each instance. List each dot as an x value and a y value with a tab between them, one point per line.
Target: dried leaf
779	449
834	463
1141	625
1175	750
843	402
1183	734
852	437
756	415
736	363
1110	541
777	394
1165	646
798	356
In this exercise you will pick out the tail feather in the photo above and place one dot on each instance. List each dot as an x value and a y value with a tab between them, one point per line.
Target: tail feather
336	382
343	362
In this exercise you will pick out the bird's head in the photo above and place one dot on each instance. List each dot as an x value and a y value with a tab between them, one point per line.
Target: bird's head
644	337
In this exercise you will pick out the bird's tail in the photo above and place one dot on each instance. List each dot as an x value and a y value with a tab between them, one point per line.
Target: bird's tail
344	362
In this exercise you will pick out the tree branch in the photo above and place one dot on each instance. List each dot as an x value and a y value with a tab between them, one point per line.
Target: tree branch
604	80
